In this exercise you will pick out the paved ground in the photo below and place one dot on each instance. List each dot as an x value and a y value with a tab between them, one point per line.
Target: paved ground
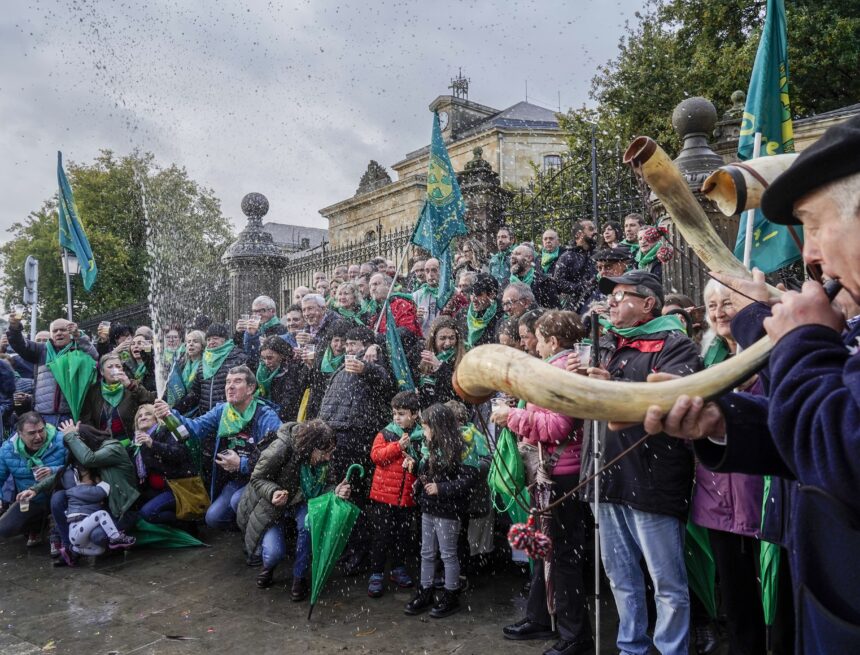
193	601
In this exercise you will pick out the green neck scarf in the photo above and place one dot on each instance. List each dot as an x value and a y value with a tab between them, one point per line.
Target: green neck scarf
632	246
547	257
312	479
427	289
35	460
502	256
330	363
52	354
272	322
717	352
644	259
112	392
214	357
232	421
140	372
525	280
264	380
478	324
670	323
351	314
416	437
189	372
444	356
369	306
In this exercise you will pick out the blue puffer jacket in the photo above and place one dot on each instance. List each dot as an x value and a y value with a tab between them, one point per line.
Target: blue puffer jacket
12	463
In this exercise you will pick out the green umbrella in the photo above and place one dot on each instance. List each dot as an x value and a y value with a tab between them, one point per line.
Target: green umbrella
75	372
162	536
769	556
701	570
330	520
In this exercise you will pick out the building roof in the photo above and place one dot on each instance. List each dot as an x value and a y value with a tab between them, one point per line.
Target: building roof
290	236
521	115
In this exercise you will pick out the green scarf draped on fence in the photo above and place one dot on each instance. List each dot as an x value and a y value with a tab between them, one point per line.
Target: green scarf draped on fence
717	352
477	324
214	357
644	259
444	356
189	372
670	323
112	392
35	460
350	314
527	279
233	421
264	380
312	479
547	257
330	363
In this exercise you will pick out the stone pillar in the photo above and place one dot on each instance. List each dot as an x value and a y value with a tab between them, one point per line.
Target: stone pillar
728	130
253	261
693	120
485	198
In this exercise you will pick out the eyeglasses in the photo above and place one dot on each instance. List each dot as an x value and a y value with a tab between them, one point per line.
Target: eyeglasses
510	303
618	296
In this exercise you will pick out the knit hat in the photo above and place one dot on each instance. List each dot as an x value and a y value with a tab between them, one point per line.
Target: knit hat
218	330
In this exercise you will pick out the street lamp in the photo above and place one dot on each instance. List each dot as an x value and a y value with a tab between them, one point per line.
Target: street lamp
71	265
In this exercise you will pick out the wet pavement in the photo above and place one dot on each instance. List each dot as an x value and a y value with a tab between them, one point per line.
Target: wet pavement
205	600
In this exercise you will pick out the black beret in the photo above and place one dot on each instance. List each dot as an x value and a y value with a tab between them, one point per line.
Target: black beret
633	278
831	158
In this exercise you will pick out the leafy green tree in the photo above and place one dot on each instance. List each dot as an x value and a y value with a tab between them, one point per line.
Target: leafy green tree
120	201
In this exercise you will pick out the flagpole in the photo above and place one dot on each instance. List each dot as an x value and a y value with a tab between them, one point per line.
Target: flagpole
391	288
751	212
68	282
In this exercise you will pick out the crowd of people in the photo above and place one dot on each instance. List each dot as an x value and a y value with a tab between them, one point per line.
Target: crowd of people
264	415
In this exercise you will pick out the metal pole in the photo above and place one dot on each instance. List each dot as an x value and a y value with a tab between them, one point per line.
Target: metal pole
68	283
594	177
751	213
33	310
390	289
595	451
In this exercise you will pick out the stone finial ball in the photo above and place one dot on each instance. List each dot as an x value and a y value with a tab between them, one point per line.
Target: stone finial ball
694	115
255	204
739	98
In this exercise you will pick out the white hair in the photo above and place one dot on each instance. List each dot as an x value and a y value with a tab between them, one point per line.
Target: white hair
265	301
711	288
314	298
845	193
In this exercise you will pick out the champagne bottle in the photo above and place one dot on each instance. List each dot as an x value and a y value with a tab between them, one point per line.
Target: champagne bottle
179	431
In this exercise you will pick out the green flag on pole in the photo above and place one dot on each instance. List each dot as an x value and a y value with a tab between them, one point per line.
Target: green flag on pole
442	215
768	111
396	354
72	235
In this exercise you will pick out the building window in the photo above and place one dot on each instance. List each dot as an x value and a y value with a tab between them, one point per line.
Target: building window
305	243
551	163
370	236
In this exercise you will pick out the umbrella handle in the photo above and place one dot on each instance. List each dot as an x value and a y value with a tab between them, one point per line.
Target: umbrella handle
353	467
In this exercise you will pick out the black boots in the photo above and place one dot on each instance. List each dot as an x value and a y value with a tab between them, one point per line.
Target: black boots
447	603
421	601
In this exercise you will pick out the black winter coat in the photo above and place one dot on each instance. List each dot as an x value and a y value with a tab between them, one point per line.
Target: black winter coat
358	403
546	290
657	476
576	275
441	390
455	484
288	388
205	394
168	456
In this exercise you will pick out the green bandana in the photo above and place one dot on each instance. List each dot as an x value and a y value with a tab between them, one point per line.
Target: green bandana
415	437
717	352
477	324
264	379
214	357
52	354
189	372
330	363
232	421
444	356
312	479
350	314
140	372
643	260
272	322
525	280
476	446
369	306
112	392
547	257
426	288
670	323
35	460
632	246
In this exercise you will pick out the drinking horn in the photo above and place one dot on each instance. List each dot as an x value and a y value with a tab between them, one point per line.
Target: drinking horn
737	187
486	369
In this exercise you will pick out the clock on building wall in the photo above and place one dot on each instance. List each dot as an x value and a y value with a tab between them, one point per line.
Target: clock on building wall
443	120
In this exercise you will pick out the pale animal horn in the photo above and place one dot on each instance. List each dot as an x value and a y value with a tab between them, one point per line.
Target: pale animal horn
738	187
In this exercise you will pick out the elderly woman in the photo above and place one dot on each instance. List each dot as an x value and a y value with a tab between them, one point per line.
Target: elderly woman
141	365
186	367
442	352
292	470
729	505
559	440
654	250
348	304
281	378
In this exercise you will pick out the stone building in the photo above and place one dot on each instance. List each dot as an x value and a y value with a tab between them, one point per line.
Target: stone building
510	141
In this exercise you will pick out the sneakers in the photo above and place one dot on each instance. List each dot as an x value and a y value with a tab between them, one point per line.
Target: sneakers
376	585
447	604
299	590
67	557
34	539
421	601
56	544
265	578
121	541
401	578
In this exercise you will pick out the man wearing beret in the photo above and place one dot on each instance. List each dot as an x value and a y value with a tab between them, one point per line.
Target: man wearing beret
808	428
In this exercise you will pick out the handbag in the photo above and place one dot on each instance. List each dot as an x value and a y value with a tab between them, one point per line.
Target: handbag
192	500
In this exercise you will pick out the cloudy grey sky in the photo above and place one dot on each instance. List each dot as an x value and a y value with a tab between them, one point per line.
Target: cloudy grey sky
289	98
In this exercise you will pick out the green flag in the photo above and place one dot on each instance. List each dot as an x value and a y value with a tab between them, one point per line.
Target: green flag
72	235
767	111
396	354
442	215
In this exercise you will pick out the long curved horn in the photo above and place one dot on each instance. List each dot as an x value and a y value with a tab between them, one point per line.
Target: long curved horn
737	187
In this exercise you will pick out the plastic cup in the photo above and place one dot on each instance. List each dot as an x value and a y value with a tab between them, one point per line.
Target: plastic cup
24	505
350	358
310	349
245	317
18	311
496	403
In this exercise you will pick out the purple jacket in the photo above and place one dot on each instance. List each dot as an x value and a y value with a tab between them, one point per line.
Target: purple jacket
730	502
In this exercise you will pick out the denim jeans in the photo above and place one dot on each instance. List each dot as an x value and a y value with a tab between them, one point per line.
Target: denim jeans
439	535
627	536
222	512
274	545
160	509
15	522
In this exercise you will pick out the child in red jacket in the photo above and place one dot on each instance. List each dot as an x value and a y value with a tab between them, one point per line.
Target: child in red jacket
392	503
